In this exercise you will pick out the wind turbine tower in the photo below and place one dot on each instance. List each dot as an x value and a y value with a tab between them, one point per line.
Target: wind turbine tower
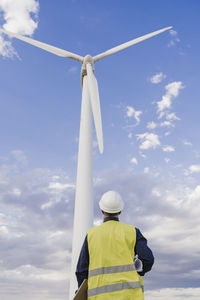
83	212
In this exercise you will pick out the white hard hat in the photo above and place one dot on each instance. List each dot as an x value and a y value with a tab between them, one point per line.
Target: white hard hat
111	202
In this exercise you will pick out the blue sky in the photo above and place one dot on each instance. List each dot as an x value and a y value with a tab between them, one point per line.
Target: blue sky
150	111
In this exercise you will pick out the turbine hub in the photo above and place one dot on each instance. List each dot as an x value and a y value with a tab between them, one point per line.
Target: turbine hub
88	59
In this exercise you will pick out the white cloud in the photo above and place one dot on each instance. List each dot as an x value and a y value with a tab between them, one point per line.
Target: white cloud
157	78
151	125
131	112
97	222
197	154
146	170
167	160
172	116
149	140
173	88
165	103
130	135
195	195
161	115
175	39
172	91
173	32
173	294
172	42
166	124
36	214
168	149
6	48
20	156
73	69
142	154
20	16
60	186
16	192
134	161
187	143
194	169
55	177
169	118
167	133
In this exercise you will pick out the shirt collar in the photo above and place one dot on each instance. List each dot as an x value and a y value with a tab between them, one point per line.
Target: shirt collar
111	219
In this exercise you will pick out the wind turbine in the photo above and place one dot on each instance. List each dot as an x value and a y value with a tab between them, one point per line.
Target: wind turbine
83	213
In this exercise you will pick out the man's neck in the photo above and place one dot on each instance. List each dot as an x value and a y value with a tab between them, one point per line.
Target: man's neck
108	216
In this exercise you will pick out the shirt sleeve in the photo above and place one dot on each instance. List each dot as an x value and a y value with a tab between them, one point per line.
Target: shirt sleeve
83	263
144	252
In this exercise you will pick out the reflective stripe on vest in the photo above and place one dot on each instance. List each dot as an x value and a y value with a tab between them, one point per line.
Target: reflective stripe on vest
114	287
109	270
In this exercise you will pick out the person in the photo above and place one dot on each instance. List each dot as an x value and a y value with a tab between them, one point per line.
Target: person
107	257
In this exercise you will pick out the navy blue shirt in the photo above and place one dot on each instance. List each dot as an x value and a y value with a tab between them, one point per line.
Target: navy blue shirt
141	249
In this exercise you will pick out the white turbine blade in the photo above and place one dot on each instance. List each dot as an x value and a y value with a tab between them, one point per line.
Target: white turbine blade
49	48
95	104
128	44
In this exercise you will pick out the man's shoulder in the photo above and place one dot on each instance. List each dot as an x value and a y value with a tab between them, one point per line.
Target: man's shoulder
111	224
107	224
130	226
94	228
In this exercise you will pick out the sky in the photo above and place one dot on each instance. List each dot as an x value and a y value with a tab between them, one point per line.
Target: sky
150	112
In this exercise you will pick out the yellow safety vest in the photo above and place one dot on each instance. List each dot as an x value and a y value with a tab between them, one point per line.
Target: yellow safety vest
112	273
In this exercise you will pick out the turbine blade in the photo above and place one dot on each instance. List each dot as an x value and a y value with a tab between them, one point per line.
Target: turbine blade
95	104
49	48
128	44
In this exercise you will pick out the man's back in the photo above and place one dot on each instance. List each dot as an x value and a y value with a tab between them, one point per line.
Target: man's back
111	265
117	241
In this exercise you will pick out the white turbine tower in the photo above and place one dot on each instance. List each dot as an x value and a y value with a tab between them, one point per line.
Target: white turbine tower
83	213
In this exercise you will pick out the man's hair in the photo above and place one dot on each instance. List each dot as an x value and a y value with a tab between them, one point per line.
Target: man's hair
112	214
